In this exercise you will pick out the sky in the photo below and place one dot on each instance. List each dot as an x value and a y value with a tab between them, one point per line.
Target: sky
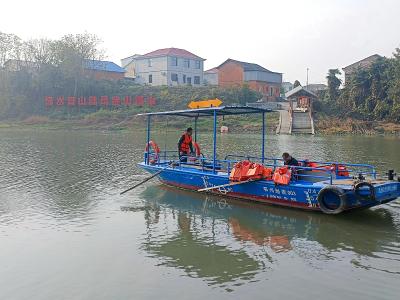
286	36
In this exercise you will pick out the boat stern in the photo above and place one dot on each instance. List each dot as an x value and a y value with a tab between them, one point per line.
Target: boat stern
387	191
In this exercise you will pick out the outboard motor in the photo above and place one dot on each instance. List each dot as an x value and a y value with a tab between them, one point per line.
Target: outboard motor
391	174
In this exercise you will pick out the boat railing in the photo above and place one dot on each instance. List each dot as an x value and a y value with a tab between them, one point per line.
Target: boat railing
319	173
355	169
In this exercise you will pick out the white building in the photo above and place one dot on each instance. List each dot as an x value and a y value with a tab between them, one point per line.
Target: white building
170	66
211	77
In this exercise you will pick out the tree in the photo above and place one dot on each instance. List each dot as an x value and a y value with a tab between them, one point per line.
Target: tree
10	47
333	84
247	95
296	84
39	51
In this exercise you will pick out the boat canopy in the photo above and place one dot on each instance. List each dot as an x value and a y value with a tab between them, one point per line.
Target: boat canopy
209	112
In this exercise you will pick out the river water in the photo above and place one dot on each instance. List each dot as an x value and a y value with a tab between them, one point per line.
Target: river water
66	233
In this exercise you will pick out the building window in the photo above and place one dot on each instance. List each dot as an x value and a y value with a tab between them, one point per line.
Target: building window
150	78
197	64
196	79
186	63
184	78
189	80
174	77
271	91
149	62
174	61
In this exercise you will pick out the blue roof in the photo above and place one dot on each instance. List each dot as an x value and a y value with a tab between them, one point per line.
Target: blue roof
102	65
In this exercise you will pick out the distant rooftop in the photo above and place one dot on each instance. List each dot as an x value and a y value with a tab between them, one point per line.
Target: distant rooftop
247	66
299	89
172	52
374	56
316	86
102	65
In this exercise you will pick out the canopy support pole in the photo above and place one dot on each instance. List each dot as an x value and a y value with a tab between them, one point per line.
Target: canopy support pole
263	138
195	129
215	141
148	140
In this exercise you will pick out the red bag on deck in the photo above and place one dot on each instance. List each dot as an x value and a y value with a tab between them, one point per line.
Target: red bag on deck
246	165
239	171
255	171
282	175
267	173
246	170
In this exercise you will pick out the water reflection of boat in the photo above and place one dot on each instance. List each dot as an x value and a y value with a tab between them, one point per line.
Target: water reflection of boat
222	242
201	256
278	243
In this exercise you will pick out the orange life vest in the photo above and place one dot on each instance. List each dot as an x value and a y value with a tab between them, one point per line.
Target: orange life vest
185	146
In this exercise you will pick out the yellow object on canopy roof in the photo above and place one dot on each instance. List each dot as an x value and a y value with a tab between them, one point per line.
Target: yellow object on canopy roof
205	103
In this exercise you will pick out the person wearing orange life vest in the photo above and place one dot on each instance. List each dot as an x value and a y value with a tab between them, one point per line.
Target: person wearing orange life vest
185	145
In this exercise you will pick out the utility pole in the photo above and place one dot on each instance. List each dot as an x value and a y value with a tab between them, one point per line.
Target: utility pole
307	78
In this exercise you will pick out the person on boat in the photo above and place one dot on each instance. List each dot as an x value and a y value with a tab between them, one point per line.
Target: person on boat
185	145
288	160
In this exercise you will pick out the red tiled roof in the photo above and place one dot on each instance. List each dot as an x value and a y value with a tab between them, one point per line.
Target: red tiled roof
172	52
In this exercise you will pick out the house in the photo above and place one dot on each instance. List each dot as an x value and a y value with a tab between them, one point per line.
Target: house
169	66
15	65
237	73
361	64
100	69
211	76
301	96
316	87
129	66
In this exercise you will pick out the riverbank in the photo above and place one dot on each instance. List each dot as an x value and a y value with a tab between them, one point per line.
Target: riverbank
334	125
116	121
112	121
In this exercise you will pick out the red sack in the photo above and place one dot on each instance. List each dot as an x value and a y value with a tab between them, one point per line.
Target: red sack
282	176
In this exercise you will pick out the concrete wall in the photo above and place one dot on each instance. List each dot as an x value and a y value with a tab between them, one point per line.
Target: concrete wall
211	78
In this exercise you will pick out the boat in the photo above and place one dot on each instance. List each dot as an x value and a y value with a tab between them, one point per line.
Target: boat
330	187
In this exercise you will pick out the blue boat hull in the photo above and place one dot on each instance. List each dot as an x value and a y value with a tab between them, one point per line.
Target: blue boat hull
298	194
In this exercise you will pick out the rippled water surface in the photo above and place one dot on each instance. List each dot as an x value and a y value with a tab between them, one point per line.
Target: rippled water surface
66	233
